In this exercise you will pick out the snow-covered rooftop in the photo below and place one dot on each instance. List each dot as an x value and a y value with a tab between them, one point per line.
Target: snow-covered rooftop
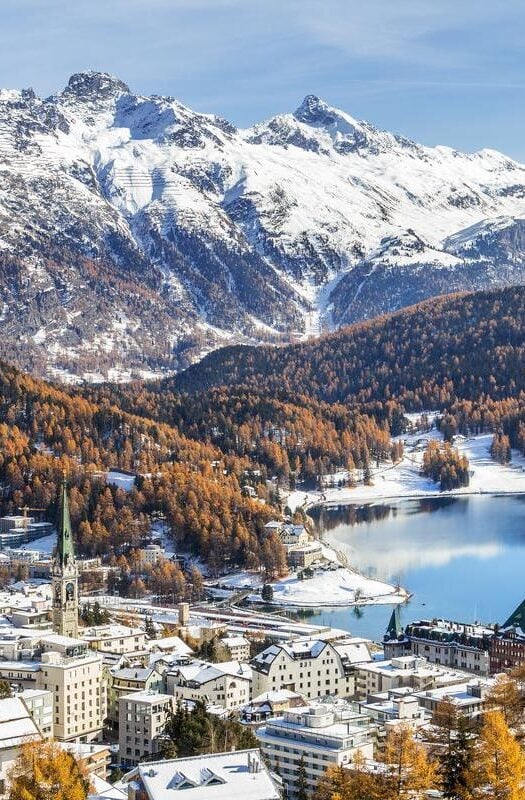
221	776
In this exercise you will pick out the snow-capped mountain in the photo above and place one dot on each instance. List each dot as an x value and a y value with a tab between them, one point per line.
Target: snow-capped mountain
136	234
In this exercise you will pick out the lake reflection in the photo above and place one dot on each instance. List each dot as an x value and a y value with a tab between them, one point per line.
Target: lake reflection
461	557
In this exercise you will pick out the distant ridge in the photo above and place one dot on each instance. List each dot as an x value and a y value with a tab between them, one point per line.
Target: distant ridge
137	235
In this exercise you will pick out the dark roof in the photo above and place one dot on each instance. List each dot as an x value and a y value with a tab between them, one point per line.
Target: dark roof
65	552
517	618
394	629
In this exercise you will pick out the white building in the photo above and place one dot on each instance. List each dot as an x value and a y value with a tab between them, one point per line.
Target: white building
226	684
390	709
16	727
39	703
114	639
142	719
221	776
294	535
75	676
453	644
151	554
125	680
238	647
404	671
468	697
311	667
318	736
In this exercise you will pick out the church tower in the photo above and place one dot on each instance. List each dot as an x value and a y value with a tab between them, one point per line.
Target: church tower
65	574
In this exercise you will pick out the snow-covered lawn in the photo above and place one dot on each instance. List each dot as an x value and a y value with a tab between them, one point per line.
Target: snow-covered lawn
43	545
405	478
335	588
121	479
328	587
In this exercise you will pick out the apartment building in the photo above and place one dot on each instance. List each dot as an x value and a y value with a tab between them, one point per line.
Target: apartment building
114	639
142	719
39	703
151	554
453	644
405	671
311	667
130	679
75	676
468	697
318	736
226	684
270	704
238	647
389	708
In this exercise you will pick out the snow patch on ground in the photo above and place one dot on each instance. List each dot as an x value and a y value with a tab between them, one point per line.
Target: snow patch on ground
121	479
339	587
405	479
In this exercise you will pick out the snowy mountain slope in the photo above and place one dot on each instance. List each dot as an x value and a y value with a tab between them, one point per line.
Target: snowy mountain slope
136	234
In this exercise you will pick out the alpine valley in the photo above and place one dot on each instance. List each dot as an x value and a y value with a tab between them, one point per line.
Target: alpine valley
137	235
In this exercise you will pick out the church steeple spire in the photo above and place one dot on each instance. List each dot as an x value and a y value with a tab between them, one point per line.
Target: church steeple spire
65	573
65	548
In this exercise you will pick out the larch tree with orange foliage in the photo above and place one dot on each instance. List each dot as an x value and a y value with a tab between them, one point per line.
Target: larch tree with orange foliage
499	766
44	770
408	771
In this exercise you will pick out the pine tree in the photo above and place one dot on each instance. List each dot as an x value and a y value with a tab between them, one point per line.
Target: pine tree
451	741
267	593
499	767
44	770
149	628
302	781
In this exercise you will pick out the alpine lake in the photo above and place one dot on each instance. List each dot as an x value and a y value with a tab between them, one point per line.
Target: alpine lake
461	558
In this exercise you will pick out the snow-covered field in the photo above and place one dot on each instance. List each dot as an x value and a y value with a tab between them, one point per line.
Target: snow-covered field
339	587
405	479
121	479
332	585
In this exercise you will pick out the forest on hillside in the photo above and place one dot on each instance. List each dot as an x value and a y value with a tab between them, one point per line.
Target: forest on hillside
463	346
245	416
335	401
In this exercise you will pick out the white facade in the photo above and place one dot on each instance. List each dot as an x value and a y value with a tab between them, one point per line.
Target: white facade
151	554
39	703
404	671
237	646
115	639
318	737
130	679
79	692
16	727
311	667
226	684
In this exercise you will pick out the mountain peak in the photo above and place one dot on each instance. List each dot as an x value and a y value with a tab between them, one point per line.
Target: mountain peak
314	111
95	85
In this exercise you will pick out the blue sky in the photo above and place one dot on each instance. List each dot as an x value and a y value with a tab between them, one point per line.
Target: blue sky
438	71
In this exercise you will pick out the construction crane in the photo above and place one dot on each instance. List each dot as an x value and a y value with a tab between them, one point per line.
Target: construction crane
24	510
